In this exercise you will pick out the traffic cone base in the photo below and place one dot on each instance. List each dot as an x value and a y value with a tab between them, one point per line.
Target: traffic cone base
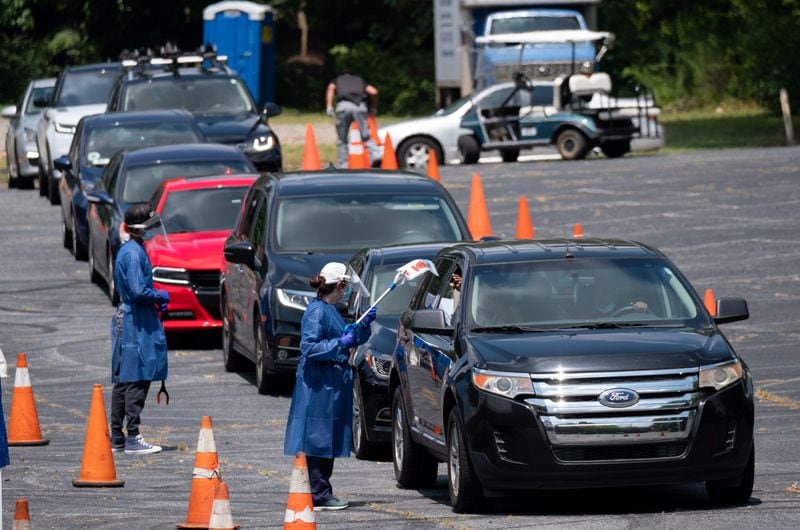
389	160
577	231
22	517
221	517
97	467
300	505
23	420
433	166
206	478
356	150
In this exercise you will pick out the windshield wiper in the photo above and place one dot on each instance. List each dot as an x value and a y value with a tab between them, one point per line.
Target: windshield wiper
618	325
513	328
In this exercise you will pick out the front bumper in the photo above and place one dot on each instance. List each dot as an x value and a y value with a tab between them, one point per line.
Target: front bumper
270	160
376	407
193	307
512	448
28	161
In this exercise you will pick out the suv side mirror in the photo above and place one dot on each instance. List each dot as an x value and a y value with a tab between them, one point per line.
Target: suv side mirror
98	196
62	163
731	310
10	111
271	109
240	252
430	321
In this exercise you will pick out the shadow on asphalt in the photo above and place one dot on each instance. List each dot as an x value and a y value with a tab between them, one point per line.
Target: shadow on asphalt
195	340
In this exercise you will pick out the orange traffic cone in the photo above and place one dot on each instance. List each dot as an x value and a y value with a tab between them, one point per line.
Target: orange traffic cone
221	517
524	224
97	467
373	129
389	157
478	215
433	166
300	505
22	518
205	478
23	420
355	149
577	231
710	301
310	153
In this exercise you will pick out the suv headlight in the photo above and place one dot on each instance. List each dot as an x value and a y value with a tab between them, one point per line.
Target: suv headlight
261	143
381	364
721	375
63	128
175	276
295	299
505	384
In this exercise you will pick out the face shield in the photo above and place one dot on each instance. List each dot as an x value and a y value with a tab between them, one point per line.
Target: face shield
148	228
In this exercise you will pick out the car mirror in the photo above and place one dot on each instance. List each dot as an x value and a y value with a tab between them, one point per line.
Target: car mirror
62	163
98	196
272	109
10	111
40	102
430	321
240	252
731	310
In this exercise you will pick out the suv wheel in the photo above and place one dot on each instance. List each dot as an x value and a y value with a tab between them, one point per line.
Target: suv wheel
78	248
464	487
231	358
52	190
264	380
66	234
94	276
572	144
470	149
414	467
414	153
42	182
363	449
615	148
723	493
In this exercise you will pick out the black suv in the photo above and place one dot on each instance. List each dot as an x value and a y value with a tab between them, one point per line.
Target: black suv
291	225
204	85
568	364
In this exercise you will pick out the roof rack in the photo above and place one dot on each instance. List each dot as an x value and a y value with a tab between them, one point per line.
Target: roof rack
171	58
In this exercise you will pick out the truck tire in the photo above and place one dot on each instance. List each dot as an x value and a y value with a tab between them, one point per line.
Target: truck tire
462	484
510	155
572	144
470	149
723	493
414	467
616	148
413	153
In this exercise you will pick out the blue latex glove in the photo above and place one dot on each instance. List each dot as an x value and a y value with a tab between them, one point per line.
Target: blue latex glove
348	340
349	328
164	295
371	314
163	307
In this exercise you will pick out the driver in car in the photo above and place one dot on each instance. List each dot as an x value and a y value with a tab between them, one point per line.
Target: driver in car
607	300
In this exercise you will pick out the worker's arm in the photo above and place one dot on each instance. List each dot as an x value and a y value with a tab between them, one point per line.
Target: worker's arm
372	92
329	98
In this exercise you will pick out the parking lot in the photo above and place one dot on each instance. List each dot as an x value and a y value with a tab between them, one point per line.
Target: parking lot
728	219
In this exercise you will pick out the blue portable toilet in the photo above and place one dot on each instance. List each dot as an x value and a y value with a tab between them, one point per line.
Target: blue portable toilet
245	32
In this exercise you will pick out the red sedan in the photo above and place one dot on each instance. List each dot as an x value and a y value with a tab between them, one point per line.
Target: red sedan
198	213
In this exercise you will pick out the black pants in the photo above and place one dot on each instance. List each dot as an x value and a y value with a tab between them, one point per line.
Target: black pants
127	402
320	470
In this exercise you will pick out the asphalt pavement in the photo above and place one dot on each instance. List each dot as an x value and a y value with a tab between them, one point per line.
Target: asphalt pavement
728	219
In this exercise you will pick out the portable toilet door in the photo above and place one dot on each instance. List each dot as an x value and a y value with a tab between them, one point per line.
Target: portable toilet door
244	31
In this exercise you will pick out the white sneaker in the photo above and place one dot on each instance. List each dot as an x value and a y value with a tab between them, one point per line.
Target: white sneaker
138	446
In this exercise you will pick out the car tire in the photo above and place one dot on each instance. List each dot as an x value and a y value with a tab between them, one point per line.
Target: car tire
52	191
572	144
464	487
265	382
414	467
510	155
725	494
94	276
616	148
26	183
470	149
78	248
66	234
12	178
113	295
42	182
413	153
232	360
363	449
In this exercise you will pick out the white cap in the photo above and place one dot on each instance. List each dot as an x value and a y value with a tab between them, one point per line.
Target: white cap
334	272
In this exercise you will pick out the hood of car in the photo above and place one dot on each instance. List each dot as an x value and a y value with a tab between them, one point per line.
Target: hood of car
72	115
430	126
599	350
231	129
189	250
293	271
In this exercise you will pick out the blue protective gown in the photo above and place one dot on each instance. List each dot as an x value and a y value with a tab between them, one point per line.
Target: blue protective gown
321	414
141	354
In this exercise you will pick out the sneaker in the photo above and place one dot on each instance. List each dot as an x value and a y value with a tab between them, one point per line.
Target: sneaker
331	504
137	446
117	448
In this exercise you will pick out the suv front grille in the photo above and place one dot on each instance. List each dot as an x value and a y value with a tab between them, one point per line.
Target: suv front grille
620	452
543	71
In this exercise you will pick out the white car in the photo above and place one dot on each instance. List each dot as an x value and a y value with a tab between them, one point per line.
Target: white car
415	139
80	91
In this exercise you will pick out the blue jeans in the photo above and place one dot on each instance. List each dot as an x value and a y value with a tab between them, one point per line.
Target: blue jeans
320	470
348	112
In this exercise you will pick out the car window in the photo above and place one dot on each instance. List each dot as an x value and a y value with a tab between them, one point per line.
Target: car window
142	181
86	88
350	222
258	232
202	210
198	95
397	300
524	24
110	175
36	93
102	142
573	292
429	297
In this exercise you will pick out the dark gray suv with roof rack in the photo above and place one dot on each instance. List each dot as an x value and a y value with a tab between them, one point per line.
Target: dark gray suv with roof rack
204	85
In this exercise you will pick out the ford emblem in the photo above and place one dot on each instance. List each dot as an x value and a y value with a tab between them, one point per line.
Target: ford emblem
619	398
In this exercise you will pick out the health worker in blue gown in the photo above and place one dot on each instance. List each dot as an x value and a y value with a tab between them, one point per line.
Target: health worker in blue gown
320	417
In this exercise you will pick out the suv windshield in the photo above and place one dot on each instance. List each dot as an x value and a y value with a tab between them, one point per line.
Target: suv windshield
142	181
103	142
533	23
347	222
199	95
202	210
86	88
579	293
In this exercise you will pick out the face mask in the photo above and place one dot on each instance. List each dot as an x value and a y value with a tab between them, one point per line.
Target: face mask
347	291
